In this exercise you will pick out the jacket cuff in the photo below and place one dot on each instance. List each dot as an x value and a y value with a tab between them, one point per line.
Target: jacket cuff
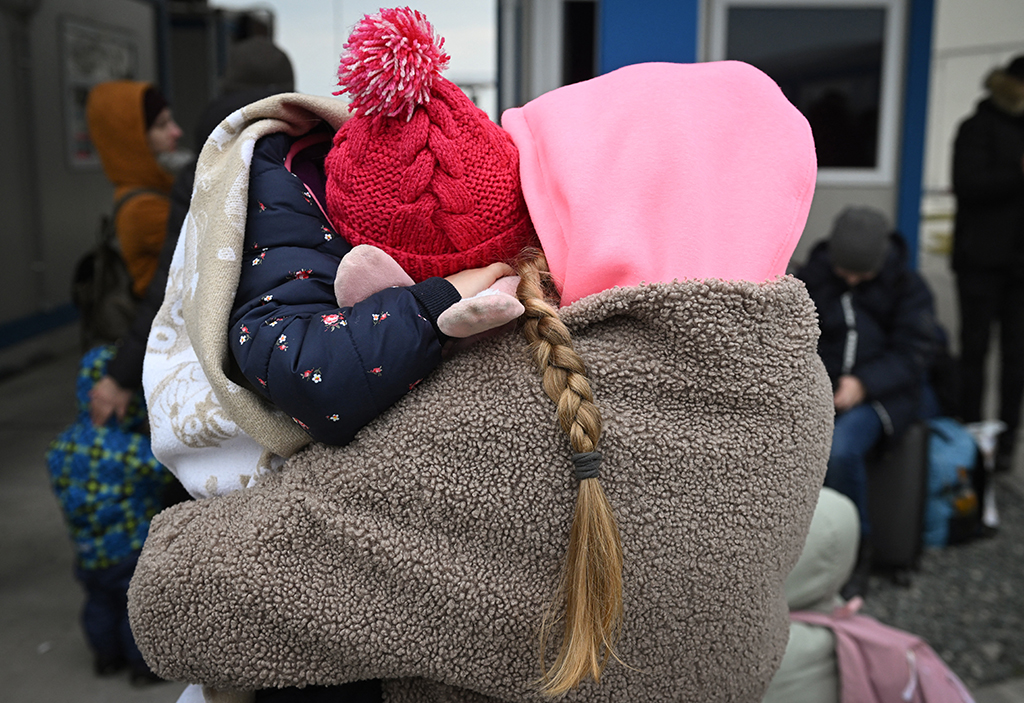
125	366
435	295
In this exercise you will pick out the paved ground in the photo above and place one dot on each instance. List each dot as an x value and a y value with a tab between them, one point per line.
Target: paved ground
43	657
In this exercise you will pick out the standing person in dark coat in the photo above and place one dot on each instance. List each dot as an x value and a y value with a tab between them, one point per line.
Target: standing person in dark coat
877	337
988	247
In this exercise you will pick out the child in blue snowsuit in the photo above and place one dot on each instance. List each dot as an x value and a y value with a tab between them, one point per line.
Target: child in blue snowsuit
109	486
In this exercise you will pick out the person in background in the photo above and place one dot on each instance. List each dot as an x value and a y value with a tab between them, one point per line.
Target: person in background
109	486
256	68
134	132
877	337
988	248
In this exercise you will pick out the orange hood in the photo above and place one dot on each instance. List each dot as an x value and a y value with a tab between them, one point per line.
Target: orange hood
118	130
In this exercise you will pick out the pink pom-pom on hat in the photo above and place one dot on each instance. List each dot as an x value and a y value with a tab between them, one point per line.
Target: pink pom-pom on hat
391	60
419	171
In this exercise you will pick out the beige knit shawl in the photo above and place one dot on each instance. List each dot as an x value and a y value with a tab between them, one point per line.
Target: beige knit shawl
208	426
425	552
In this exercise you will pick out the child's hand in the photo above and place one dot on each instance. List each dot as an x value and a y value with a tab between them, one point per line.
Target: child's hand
490	309
488	301
488	294
108	398
473	281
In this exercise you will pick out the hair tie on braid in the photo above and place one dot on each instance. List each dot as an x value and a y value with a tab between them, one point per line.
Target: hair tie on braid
588	465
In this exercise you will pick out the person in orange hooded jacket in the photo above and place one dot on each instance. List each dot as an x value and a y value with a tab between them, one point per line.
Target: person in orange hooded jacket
133	130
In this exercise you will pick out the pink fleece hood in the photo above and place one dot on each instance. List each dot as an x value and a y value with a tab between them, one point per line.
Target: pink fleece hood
661	171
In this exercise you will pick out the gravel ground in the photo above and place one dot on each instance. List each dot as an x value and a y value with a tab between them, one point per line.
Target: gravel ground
967	601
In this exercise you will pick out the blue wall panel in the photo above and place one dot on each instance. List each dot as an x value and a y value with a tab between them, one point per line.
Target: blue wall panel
915	119
653	30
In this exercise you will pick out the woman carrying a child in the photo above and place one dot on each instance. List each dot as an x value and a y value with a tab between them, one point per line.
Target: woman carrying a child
466	545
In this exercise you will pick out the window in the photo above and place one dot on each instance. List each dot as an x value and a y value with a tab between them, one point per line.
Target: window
837	63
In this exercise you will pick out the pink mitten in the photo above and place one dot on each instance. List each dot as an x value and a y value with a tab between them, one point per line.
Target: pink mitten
364	271
367	270
486	310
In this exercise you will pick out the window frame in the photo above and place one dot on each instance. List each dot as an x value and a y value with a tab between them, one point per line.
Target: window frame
893	50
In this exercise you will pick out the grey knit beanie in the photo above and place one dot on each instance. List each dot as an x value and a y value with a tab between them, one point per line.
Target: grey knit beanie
860	240
257	63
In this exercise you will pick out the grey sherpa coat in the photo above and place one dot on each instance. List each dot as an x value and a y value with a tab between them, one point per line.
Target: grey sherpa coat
425	552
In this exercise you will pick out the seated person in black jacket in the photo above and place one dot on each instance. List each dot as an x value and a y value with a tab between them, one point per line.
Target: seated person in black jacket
877	338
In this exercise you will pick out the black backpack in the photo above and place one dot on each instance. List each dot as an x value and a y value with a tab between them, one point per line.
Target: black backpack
102	287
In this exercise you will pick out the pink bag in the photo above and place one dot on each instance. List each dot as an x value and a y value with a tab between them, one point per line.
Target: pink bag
880	664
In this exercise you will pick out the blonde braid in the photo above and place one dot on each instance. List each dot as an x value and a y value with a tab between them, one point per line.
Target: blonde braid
590	588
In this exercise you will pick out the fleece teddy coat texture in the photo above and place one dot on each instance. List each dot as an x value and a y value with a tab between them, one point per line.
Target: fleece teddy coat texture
425	552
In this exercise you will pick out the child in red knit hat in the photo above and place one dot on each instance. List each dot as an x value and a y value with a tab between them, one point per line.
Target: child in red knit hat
420	171
427	183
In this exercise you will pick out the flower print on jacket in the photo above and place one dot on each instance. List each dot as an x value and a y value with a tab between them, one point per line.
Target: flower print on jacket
301	424
243	336
259	259
312	375
334	320
263	207
303	251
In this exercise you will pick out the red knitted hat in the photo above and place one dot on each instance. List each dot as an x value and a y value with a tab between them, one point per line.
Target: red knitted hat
419	171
